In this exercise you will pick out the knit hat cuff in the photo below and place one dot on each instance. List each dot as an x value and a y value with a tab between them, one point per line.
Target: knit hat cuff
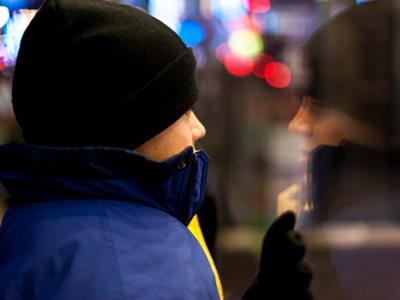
116	126
176	81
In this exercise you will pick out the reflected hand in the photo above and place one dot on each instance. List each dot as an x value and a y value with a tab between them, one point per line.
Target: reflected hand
283	273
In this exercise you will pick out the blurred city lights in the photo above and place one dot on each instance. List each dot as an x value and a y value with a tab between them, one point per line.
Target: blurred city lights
221	51
227	9
13	31
3	54
260	63
238	66
4	15
257	6
200	55
14	5
5	42
168	12
272	26
205	8
246	43
361	1
277	74
191	33
237	24
291	33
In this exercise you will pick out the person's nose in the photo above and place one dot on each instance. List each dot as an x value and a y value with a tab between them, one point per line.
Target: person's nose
198	129
301	123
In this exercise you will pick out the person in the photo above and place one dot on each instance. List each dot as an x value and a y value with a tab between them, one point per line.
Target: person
347	93
104	193
348	201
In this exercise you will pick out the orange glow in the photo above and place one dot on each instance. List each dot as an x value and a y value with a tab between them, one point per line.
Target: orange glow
238	66
260	63
277	75
257	6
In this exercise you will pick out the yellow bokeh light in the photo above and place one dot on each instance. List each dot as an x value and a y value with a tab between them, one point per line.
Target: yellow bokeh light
246	43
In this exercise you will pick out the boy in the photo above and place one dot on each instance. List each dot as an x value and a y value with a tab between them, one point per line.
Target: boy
104	194
109	222
347	122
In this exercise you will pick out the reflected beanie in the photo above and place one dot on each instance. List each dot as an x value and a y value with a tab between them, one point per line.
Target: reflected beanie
99	73
348	63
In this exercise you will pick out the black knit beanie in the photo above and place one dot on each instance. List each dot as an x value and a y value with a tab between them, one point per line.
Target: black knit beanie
348	63
98	73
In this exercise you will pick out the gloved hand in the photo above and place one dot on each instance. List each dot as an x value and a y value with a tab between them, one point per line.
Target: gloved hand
283	273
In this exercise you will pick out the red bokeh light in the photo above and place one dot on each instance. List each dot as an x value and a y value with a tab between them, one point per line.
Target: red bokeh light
237	23
277	75
260	63
257	6
221	51
238	66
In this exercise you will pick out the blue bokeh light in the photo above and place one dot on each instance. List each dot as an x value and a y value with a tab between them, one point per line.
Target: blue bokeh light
272	24
13	5
228	9
12	35
168	12
191	33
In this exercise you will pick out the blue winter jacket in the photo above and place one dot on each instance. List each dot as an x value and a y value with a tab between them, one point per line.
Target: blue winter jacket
101	223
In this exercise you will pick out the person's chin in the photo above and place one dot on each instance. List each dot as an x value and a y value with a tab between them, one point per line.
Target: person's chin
303	159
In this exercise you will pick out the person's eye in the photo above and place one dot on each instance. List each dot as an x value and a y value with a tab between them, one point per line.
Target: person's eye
318	105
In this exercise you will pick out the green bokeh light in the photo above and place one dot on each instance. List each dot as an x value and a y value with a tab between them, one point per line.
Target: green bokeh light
246	43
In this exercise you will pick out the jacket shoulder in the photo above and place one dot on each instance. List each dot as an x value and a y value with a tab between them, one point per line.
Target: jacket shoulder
100	249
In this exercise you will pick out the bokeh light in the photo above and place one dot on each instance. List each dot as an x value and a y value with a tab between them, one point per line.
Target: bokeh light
277	74
200	55
238	66
13	31
14	5
272	26
260	63
257	6
221	51
227	9
4	15
3	54
168	12
5	42
237	24
191	33
246	43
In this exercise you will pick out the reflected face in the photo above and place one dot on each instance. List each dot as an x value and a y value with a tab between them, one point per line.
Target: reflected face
319	124
174	139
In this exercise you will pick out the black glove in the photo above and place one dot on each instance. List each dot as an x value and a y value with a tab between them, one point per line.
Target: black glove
283	273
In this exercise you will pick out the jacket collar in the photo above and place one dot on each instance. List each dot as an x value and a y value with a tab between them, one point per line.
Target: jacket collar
343	175
33	173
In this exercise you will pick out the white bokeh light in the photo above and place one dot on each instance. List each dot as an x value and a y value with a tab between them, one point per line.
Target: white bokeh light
168	12
4	15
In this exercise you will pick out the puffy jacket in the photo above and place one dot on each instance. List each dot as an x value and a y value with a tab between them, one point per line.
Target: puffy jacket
101	223
350	213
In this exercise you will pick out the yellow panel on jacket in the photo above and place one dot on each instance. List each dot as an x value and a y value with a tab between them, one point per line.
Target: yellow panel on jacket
195	229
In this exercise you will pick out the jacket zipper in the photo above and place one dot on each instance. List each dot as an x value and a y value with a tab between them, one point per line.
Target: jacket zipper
185	205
